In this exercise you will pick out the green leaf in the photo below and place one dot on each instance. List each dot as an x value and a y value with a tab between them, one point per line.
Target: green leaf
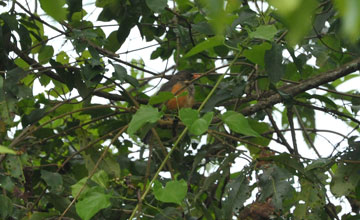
102	3
15	75
121	74
328	102
124	30
300	211
14	167
260	128
5	150
311	195
60	203
33	117
145	114
203	27
206	44
62	58
67	76
156	5
54	180
349	10
217	16
101	178
42	215
94	200
111	167
54	8
201	125
160	98
345	180
25	40
6	183
297	16
265	32
256	53
322	163
21	63
6	206
112	42
45	54
174	191
238	123
90	73
196	125
273	63
238	191
75	189
289	163
188	116
273	182
10	20
283	190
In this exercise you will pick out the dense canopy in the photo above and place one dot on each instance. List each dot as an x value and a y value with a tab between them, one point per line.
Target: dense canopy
273	133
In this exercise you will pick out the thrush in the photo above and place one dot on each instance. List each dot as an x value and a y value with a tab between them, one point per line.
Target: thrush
184	91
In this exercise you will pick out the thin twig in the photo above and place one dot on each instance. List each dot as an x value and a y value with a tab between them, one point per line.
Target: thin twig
307	136
280	135
290	114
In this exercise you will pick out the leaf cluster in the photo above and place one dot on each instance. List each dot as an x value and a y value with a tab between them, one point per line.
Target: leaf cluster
267	69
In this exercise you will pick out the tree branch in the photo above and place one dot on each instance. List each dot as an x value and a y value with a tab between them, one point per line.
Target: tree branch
304	86
55	76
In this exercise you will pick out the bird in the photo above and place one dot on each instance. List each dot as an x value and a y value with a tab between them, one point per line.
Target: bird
179	85
183	90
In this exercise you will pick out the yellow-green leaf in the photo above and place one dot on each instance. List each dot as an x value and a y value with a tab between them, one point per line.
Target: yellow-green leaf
5	150
206	44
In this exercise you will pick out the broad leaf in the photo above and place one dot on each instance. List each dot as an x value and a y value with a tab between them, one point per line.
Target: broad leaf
156	5
54	8
238	123
191	119
5	150
201	125
94	200
297	16
112	42
162	97
121	74
54	180
206	44
145	114
188	116
101	178
273	63
351	24
6	206
75	189
256	54
174	191
238	192
346	179
45	54
14	167
265	32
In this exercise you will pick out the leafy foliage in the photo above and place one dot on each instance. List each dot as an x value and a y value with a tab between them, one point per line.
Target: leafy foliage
75	113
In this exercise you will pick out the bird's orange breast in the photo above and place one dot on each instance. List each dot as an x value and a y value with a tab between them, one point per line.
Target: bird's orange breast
180	100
